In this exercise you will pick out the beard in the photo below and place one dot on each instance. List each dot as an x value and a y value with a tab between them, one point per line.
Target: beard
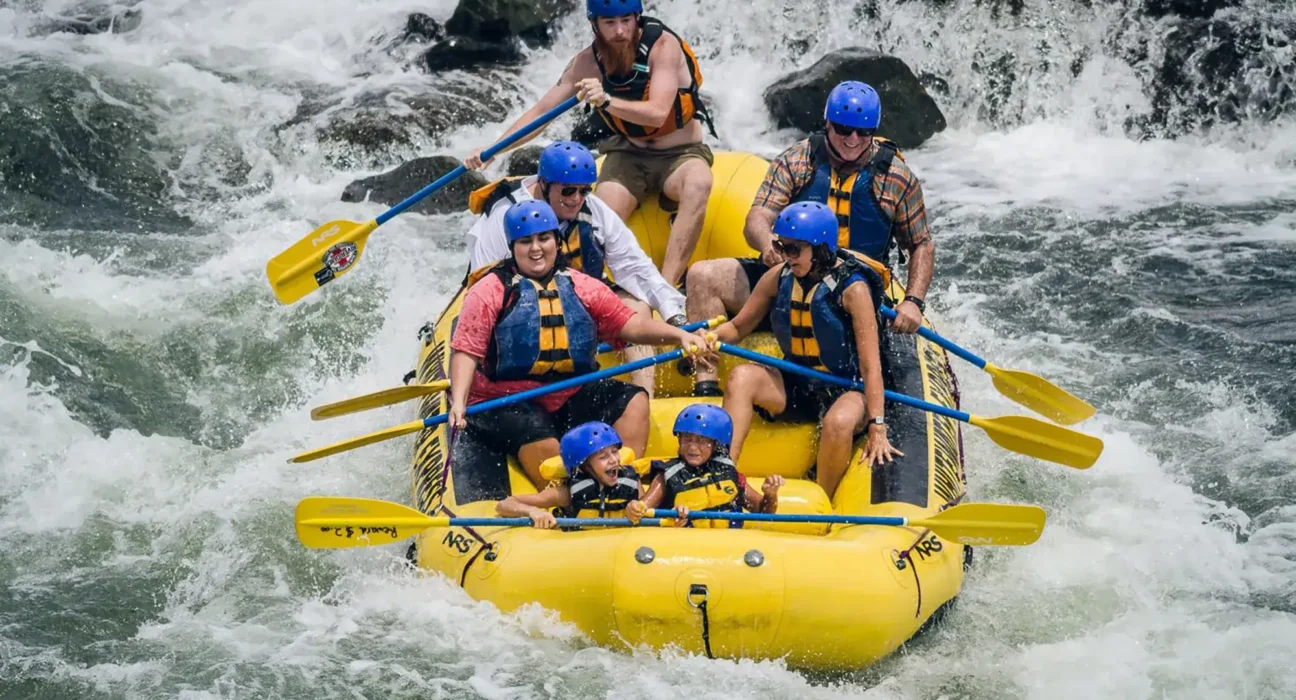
617	59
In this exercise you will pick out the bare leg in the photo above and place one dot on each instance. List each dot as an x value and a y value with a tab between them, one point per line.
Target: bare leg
645	377
751	385
632	426
715	287
615	195
836	438
532	454
690	185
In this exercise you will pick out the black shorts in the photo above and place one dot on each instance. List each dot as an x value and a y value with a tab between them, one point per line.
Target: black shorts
807	400
510	427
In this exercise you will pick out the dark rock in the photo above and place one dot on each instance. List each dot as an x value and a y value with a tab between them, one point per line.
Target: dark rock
109	21
501	20
384	126
909	115
1198	9
394	186
524	161
1215	71
457	53
422	28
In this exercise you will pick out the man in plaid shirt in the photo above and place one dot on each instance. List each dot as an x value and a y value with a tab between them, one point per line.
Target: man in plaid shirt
827	168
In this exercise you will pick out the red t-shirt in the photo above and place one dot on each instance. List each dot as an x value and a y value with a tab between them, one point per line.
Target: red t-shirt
476	326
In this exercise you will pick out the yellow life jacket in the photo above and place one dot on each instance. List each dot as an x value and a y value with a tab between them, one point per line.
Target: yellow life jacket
713	486
483	198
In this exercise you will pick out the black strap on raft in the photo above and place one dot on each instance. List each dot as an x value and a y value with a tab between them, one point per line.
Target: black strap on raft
700	589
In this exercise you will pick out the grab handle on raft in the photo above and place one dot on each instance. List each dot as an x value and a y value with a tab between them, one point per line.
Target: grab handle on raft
415	426
401	394
1030	390
332	250
1021	434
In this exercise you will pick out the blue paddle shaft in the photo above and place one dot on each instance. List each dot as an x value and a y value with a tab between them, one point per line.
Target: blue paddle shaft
485	156
785	366
562	522
931	335
697	515
559	386
788	517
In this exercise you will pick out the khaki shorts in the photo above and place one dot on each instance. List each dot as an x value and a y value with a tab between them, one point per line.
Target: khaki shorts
643	171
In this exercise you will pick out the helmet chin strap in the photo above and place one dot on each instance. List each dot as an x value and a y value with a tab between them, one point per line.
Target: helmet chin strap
837	154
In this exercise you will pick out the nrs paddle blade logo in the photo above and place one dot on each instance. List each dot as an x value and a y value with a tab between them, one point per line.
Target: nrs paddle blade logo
337	258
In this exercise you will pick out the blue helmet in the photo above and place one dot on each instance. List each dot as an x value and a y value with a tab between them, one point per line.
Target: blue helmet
853	103
527	218
811	222
567	163
584	440
706	420
612	8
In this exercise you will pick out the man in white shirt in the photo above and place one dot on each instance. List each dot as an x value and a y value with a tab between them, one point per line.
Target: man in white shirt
596	240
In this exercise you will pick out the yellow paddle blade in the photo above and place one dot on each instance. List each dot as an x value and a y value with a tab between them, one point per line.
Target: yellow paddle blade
353	443
336	523
1034	437
987	524
1039	395
378	399
327	253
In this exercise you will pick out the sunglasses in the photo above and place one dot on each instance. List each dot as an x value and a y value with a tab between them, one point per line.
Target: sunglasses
570	190
788	248
843	130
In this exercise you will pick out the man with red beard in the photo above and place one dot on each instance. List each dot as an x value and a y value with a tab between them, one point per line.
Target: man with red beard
643	79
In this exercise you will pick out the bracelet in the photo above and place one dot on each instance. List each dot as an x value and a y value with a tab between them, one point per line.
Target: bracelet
922	305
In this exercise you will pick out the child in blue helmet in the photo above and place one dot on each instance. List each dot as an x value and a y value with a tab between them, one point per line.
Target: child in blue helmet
597	486
703	477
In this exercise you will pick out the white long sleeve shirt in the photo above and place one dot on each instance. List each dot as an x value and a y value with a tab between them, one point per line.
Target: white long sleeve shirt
632	269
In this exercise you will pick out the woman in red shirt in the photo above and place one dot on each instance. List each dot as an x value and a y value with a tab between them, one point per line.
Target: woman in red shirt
532	321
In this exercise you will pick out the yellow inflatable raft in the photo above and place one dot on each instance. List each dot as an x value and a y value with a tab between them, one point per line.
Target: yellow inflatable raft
819	597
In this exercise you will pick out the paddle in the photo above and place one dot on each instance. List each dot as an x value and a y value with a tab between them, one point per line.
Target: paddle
401	394
415	426
1030	390
1028	436
970	523
331	250
335	523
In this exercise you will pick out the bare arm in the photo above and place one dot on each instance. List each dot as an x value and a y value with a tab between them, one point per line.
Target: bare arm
759	229
757	307
565	88
462	368
646	330
523	506
921	262
664	63
859	304
536	506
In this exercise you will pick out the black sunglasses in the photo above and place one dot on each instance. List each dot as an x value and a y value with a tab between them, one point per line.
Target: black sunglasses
788	248
570	190
843	130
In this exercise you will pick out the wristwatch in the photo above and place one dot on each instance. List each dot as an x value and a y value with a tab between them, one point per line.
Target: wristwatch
922	305
877	420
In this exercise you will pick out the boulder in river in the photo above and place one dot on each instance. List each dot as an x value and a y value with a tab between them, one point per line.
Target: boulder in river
394	186
909	114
